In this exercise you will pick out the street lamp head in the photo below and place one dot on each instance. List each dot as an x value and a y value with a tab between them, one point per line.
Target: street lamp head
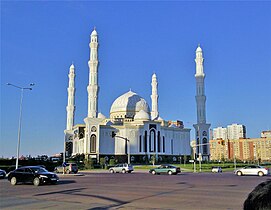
8	83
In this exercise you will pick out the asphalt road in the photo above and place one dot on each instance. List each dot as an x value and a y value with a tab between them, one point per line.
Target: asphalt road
138	190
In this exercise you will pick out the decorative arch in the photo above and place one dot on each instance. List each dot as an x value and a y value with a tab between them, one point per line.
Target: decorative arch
205	146
152	140
93	143
145	141
140	143
159	142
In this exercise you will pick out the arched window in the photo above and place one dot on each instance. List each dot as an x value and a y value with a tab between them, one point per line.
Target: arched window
159	142
164	145
93	143
152	140
69	148
205	147
145	142
140	144
172	146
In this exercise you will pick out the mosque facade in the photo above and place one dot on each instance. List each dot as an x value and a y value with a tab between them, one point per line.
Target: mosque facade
132	127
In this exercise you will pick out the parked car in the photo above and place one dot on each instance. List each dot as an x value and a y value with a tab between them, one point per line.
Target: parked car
123	168
216	169
166	169
252	170
34	174
70	168
2	174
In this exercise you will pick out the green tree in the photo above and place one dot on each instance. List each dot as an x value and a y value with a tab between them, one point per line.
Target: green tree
88	163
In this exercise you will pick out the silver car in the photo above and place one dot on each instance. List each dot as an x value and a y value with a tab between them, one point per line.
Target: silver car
216	169
121	168
252	170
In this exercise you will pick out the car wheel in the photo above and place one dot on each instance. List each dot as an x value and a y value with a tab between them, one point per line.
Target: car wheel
13	181
111	171
169	172
123	171
36	181
153	172
260	173
239	173
68	171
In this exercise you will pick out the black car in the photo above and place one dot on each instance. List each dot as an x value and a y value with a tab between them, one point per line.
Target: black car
2	174
34	174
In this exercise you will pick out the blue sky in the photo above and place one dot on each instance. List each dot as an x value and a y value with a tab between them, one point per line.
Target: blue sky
40	40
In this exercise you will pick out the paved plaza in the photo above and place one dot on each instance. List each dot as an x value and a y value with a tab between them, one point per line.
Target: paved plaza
138	190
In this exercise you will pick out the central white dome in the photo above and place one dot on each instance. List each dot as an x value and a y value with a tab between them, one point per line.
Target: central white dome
127	105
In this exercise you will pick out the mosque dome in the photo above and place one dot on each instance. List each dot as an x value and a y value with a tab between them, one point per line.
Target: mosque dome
128	105
142	115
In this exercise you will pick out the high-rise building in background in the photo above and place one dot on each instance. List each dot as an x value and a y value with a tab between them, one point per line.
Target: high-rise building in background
243	149
220	133
236	131
266	134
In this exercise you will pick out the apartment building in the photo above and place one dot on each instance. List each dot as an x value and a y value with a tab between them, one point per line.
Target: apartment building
244	149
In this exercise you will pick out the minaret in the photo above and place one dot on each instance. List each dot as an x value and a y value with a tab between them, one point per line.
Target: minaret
154	98
70	107
93	87
200	97
201	128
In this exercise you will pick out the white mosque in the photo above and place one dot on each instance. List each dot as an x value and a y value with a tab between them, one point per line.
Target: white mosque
141	132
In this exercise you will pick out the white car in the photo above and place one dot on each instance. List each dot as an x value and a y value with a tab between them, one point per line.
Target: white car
216	169
252	170
121	168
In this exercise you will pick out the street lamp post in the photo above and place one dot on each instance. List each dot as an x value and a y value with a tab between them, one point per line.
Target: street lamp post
20	118
194	154
234	155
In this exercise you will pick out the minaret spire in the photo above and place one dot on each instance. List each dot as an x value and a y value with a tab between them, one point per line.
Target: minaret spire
154	98
93	87
199	62
70	107
200	97
201	128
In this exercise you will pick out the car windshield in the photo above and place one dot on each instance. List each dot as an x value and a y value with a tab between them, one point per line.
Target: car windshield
39	170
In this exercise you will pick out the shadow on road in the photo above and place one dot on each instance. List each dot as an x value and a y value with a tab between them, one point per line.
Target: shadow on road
66	182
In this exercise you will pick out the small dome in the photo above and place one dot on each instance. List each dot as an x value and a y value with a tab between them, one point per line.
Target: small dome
100	115
94	32
127	105
142	115
154	75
